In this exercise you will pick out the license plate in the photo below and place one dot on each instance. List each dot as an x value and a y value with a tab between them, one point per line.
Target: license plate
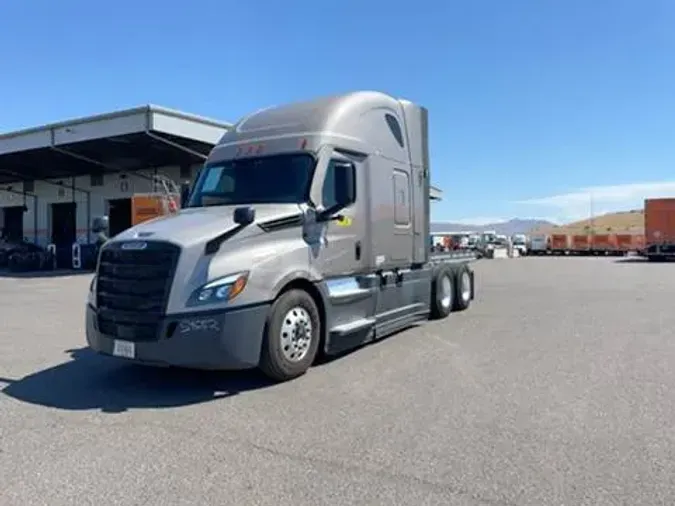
125	349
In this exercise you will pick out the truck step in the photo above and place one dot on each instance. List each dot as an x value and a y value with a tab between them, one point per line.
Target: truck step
351	327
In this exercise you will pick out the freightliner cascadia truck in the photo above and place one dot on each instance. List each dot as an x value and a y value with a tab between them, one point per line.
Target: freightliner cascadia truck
305	233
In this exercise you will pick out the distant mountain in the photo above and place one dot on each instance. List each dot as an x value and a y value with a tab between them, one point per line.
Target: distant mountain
514	226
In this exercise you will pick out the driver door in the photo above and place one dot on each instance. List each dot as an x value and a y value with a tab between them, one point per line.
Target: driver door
340	249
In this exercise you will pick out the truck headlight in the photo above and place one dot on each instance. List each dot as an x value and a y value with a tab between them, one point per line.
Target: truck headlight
91	297
220	290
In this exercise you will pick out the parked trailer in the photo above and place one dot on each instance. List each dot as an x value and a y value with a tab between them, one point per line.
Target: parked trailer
660	228
586	244
539	245
608	244
580	244
559	244
624	242
602	244
306	231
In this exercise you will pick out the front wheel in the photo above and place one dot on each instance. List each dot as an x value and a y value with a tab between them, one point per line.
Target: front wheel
292	335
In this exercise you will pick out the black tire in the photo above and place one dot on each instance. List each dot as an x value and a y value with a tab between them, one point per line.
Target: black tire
656	258
439	310
274	361
463	289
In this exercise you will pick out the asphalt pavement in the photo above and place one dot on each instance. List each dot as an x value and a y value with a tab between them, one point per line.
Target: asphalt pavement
555	388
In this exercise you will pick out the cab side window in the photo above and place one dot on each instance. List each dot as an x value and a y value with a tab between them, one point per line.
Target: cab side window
339	182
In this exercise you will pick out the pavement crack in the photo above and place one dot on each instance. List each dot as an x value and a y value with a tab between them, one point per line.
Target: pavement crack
383	474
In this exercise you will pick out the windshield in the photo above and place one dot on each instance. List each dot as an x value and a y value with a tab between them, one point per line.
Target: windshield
279	179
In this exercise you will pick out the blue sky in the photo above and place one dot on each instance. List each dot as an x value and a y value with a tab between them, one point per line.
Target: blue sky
534	104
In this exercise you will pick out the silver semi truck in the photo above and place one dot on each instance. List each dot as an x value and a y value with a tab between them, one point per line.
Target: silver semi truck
306	232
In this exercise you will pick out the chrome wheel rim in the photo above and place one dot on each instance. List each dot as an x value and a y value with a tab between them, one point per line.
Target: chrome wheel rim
446	292
466	287
296	334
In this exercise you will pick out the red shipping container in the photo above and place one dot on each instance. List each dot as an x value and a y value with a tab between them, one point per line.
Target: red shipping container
660	221
559	242
580	242
624	242
604	242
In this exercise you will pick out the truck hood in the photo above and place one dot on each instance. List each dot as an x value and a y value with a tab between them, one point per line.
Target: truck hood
194	225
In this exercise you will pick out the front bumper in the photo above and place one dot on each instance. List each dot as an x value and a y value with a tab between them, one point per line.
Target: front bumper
227	339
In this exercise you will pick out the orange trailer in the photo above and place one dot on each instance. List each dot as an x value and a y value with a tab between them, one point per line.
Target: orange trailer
581	243
559	243
660	228
604	244
624	242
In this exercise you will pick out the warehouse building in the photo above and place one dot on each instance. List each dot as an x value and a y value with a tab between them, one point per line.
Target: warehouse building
55	179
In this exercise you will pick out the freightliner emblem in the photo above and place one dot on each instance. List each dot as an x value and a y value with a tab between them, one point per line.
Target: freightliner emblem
135	245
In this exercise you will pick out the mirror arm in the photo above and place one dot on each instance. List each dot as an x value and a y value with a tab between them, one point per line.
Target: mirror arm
330	216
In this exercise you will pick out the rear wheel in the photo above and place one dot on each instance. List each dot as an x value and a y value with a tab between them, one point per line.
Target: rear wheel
442	292
464	289
291	337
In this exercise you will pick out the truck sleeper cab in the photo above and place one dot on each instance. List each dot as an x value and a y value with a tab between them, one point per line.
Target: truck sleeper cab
305	232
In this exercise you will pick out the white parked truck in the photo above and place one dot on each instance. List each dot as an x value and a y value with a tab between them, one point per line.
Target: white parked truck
519	242
305	232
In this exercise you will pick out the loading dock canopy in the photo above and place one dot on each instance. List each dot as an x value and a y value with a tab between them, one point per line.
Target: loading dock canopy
134	139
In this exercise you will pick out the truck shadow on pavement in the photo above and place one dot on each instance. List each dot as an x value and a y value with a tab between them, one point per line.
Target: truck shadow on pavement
90	381
631	260
639	260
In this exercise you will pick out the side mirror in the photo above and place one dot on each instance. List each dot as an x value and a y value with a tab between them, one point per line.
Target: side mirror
344	186
100	224
244	215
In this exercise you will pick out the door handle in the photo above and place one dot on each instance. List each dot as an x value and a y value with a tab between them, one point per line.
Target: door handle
357	250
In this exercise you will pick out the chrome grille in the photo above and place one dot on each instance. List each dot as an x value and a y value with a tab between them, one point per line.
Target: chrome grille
132	288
